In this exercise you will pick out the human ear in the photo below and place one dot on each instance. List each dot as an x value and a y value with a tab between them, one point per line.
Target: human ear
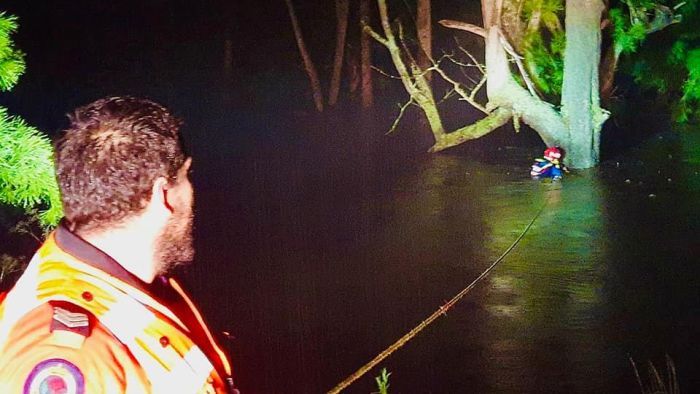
159	194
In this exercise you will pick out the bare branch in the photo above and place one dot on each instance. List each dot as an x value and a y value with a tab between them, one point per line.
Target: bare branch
447	95
398	118
384	73
367	29
459	89
452	24
518	62
478	87
466	52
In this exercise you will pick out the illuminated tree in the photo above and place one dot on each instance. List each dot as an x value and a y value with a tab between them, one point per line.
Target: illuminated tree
554	85
27	177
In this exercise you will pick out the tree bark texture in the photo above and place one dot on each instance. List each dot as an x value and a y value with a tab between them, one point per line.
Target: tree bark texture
425	35
341	13
306	58
580	97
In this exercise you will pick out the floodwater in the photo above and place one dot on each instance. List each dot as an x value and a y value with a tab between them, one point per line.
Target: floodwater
316	257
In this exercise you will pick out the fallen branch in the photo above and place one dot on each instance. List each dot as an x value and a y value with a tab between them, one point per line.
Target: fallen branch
497	118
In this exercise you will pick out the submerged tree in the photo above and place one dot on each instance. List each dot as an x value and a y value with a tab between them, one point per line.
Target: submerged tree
553	61
27	177
342	10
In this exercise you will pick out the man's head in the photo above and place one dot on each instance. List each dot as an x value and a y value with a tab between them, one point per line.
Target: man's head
120	157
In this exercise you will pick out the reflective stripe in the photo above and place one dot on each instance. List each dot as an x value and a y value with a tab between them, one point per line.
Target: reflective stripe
125	319
195	363
195	311
176	366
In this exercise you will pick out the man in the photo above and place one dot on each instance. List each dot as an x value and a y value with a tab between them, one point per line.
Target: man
94	311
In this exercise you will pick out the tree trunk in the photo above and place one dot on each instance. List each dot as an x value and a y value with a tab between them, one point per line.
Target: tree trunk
365	57
425	35
341	13
580	91
308	63
504	92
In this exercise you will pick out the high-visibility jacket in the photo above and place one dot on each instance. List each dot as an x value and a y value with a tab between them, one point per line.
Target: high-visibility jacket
67	326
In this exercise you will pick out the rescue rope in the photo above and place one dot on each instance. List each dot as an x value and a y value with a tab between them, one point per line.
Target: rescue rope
442	310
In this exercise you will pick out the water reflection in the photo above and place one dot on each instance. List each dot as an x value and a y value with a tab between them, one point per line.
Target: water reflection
544	298
330	262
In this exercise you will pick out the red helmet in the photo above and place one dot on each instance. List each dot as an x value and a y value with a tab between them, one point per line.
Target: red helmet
552	153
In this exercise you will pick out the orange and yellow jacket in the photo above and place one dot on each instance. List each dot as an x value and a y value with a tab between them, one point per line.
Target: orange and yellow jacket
71	326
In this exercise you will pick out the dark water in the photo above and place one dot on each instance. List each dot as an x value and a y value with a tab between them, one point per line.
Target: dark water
318	256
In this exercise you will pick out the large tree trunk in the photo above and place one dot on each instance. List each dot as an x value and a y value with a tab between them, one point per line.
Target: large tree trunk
365	57
341	13
502	89
425	35
580	91
308	63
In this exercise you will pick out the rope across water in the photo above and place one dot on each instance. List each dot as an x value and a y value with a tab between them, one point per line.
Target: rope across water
439	312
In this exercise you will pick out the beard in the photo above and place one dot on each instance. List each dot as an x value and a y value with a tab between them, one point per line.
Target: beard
175	245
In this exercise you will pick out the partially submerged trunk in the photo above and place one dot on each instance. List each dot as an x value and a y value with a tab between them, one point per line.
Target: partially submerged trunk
306	58
580	99
341	13
502	89
576	129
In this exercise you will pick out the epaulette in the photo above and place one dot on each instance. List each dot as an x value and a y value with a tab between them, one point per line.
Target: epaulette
70	324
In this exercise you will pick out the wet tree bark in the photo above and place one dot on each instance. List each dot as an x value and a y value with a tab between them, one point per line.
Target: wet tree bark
580	98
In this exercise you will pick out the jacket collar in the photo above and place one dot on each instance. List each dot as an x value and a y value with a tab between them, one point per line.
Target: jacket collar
91	255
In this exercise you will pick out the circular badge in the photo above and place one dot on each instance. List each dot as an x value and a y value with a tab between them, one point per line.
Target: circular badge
55	376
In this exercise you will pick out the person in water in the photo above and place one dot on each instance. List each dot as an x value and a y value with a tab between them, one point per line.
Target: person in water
550	165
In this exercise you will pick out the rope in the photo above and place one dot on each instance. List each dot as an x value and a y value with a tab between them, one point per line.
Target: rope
442	310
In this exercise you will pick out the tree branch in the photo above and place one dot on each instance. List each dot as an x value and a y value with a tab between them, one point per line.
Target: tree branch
452	24
384	73
494	120
398	118
367	29
458	88
518	62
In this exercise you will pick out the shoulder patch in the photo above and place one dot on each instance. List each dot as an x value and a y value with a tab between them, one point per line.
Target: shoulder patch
55	376
70	317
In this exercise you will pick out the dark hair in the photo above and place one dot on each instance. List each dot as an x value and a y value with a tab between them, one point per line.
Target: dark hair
110	156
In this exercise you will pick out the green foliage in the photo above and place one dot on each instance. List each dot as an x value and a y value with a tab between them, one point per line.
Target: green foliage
11	59
383	381
543	43
628	33
670	64
27	177
545	61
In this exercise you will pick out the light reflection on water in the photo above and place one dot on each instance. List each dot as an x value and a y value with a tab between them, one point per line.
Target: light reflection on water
326	266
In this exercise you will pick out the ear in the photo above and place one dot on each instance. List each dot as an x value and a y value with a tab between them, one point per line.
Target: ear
159	195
